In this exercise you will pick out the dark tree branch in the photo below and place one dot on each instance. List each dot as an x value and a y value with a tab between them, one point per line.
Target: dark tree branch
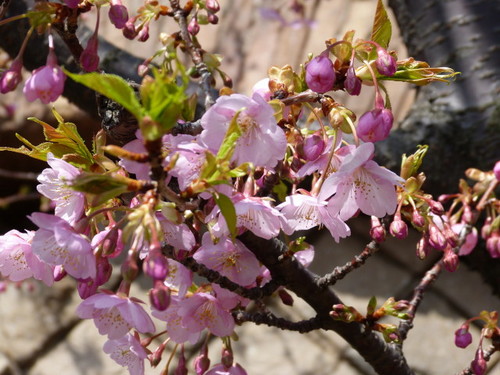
339	273
272	320
384	358
213	276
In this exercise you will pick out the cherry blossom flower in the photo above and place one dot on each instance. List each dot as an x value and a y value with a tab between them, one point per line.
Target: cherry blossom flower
191	157
177	235
178	278
55	184
232	260
229	300
262	142
360	183
17	261
175	329
252	213
128	352
115	315
470	240
57	243
46	82
320	163
305	212
202	310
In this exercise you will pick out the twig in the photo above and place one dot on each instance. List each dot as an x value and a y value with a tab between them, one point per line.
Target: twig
487	353
430	276
5	201
196	54
339	273
271	320
28	176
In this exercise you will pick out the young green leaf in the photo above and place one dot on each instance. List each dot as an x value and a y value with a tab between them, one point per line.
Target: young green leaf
228	211
382	28
113	87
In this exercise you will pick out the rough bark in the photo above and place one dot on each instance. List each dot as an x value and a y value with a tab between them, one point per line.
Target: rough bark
461	121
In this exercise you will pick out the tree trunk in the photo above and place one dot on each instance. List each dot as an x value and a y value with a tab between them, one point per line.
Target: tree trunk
460	122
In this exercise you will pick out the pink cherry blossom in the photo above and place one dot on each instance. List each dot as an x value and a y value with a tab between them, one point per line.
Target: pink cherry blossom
58	244
202	310
175	329
177	235
470	240
262	142
252	213
305	212
55	184
47	82
127	352
360	183
178	278
191	157
229	300
115	315
232	260
17	261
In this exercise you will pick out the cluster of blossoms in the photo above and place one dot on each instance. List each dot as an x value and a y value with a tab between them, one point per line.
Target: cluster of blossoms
261	164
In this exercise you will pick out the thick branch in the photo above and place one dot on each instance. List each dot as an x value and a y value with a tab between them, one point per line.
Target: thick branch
384	358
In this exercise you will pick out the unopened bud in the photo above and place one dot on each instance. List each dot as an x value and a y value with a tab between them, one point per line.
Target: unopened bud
202	362
104	271
129	270
493	245
385	63
118	14
417	219
496	170
59	273
463	338
377	231
181	365
159	296
399	229
423	248
213	19
86	288
11	78
143	34
320	74
212	5
375	125
450	260
352	83
285	297
193	26
436	238
478	365
436	207
129	30
227	358
313	147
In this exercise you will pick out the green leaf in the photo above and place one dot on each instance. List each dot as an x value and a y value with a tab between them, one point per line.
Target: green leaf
103	187
372	304
113	87
382	28
228	211
232	135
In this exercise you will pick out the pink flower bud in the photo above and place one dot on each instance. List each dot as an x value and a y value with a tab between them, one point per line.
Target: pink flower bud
436	207
313	147
46	83
129	270
202	362
478	365
375	125
496	170
493	245
159	296
486	229
112	244
320	75
399	229
212	5
72	3
377	231
86	288
104	271
463	338
156	265
423	248
214	20
118	14
385	63
143	34
352	83
11	77
193	26
436	238
227	358
450	260
129	30
59	273
417	219
89	59
181	365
